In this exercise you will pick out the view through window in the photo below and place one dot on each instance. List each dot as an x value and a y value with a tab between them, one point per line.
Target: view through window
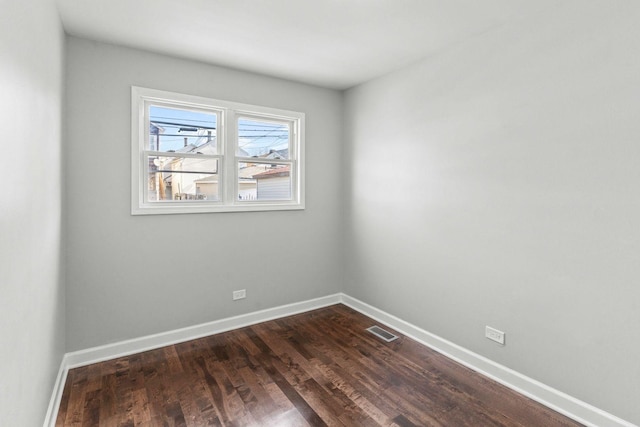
193	154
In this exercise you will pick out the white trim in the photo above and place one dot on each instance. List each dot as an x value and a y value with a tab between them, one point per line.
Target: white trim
226	136
558	401
548	396
56	395
150	342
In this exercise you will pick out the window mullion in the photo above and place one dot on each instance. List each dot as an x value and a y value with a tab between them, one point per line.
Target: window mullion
264	161
230	169
181	155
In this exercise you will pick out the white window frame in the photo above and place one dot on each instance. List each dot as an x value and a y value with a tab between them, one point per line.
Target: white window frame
228	114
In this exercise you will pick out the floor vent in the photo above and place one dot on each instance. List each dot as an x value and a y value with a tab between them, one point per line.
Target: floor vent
381	333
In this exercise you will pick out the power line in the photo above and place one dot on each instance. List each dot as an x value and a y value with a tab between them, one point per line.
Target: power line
249	123
189	120
181	124
263	130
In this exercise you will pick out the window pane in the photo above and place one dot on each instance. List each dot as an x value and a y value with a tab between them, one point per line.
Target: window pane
178	178
182	130
263	139
259	181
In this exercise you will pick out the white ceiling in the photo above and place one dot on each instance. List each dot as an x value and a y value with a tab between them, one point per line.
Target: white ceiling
331	43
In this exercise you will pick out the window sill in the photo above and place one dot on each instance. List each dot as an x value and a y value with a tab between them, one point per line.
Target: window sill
214	208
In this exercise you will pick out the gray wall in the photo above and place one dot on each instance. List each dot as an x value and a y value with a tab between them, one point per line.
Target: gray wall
31	277
125	276
494	184
498	183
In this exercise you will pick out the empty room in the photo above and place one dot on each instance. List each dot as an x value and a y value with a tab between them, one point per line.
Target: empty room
332	213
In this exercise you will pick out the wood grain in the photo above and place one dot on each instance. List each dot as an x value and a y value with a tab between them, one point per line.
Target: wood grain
320	368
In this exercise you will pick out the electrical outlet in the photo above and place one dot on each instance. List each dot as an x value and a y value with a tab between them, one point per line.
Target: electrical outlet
242	293
494	334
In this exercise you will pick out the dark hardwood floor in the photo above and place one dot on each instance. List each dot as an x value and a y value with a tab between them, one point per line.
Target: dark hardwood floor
318	368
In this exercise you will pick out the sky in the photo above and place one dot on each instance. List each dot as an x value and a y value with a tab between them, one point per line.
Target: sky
255	136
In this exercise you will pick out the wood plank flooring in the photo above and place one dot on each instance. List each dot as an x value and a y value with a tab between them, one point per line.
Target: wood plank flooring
319	368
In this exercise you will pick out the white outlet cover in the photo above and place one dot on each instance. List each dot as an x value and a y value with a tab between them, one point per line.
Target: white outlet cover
239	294
494	335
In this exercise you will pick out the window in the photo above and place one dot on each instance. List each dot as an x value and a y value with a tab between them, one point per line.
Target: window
192	154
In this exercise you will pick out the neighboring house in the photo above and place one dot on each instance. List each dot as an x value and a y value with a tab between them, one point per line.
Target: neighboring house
188	171
176	178
260	181
155	187
275	154
274	184
207	188
192	178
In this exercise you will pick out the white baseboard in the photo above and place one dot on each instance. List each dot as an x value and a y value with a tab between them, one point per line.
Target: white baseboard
554	399
150	342
558	401
56	396
137	345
